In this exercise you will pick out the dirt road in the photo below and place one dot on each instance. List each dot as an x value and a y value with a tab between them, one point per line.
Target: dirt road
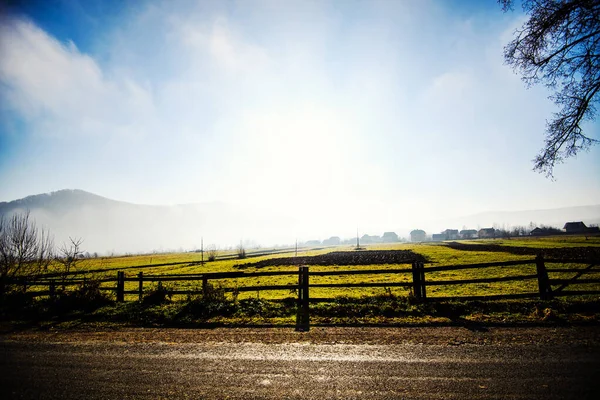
344	363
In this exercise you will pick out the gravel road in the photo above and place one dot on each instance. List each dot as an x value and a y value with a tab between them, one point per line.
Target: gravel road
269	363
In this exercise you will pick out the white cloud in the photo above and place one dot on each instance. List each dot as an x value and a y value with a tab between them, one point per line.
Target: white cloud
61	91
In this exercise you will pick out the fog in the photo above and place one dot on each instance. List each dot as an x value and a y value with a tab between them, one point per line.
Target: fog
114	227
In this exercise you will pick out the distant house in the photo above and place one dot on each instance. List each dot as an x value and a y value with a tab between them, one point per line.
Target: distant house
418	235
486	233
545	231
580	227
451	234
438	237
468	234
389	237
575	227
332	241
365	239
537	232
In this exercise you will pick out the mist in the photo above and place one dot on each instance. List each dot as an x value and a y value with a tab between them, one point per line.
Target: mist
272	122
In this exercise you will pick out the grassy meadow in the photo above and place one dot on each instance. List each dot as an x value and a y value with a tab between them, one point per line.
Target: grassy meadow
381	305
436	254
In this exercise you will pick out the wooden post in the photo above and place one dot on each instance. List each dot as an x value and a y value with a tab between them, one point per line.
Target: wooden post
299	303
141	285
543	281
303	309
422	280
305	301
416	280
204	286
52	288
120	286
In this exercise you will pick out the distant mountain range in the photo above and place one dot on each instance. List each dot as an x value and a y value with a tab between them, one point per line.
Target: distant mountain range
109	226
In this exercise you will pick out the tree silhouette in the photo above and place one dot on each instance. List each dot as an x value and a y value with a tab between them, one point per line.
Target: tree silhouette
558	46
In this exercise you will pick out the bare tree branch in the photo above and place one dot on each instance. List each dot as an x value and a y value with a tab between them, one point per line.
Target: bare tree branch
559	46
25	251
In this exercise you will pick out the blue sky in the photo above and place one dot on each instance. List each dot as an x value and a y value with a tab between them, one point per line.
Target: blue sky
384	110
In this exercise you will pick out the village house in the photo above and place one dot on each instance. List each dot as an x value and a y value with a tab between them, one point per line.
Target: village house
451	234
468	234
332	241
438	237
538	232
486	233
389	237
575	227
417	235
580	227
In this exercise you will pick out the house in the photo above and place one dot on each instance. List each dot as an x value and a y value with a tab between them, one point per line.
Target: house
575	227
468	233
545	231
365	239
537	232
417	235
486	233
332	241
389	237
451	234
438	237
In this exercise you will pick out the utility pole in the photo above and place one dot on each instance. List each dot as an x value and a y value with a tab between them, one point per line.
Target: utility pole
296	248
202	250
357	242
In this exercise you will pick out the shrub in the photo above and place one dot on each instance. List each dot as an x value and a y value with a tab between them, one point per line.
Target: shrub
211	303
157	296
87	297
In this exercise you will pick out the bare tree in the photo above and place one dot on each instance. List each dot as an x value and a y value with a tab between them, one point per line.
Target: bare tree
69	255
24	250
212	252
559	46
241	251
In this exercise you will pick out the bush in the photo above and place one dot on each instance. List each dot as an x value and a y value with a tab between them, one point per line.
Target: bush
157	296
211	303
86	297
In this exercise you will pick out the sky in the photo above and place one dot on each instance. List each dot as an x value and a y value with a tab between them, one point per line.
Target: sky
338	112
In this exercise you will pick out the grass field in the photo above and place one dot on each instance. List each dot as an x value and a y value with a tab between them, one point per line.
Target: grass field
436	254
381	305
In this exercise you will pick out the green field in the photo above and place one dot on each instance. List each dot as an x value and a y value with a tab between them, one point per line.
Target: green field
77	304
437	254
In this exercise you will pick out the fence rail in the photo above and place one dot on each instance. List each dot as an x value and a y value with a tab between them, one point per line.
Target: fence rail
418	284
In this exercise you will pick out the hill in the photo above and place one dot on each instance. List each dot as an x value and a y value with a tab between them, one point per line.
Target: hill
109	226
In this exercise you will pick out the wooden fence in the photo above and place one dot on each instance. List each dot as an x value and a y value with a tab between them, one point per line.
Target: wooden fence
418	285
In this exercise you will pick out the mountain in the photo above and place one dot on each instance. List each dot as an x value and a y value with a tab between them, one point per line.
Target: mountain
108	226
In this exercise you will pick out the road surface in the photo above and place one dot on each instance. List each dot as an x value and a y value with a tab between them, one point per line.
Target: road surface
453	365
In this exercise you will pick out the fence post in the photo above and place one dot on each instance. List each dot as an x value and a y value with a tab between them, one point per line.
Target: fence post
141	285
302	316
299	302
120	286
52	289
204	285
416	280
543	281
422	280
305	301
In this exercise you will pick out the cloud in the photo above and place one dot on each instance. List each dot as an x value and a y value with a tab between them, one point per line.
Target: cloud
59	90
